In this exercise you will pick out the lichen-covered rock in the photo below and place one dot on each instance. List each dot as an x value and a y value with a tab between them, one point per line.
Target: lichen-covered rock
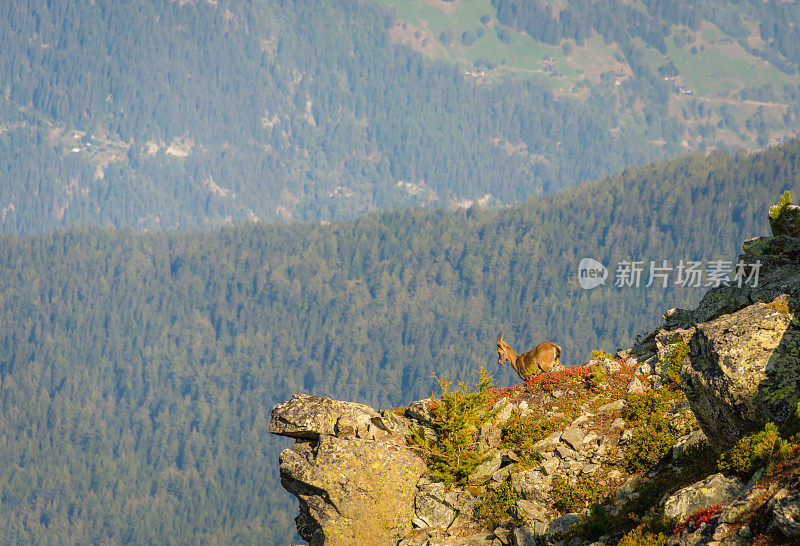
483	472
531	485
348	468
573	436
351	488
712	490
743	371
308	417
562	524
787	515
433	507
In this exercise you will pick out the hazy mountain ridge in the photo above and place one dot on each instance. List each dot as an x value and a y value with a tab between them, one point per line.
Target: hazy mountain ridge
185	115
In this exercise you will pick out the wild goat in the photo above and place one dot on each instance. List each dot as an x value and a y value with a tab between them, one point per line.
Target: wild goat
540	359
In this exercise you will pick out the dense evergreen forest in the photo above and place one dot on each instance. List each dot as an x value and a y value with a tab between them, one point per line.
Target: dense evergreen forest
157	114
161	114
137	371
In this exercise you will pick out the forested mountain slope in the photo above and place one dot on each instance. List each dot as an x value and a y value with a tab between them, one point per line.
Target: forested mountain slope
159	114
175	115
137	370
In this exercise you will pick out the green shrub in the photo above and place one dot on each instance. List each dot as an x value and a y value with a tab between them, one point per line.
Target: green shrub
646	407
776	209
651	438
602	355
595	524
640	536
752	452
673	360
522	433
647	446
574	496
498	504
598	376
456	417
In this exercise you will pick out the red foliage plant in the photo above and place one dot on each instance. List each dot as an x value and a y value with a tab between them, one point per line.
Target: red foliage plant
705	515
548	381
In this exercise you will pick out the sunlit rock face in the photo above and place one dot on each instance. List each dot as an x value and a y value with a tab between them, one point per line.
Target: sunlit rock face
350	470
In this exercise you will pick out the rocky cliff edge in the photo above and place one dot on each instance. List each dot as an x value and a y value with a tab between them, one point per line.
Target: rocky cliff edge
689	437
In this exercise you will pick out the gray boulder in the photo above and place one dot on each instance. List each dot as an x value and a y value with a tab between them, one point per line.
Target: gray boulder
692	439
531	512
779	274
743	372
787	515
561	524
483	472
710	491
488	437
305	416
531	485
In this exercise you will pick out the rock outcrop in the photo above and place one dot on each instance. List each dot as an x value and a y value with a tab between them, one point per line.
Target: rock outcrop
708	492
743	372
630	439
350	470
744	367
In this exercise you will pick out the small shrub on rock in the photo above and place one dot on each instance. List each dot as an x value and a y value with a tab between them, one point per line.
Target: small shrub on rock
651	438
641	536
776	209
457	415
673	361
752	452
700	517
497	505
602	355
574	496
781	305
